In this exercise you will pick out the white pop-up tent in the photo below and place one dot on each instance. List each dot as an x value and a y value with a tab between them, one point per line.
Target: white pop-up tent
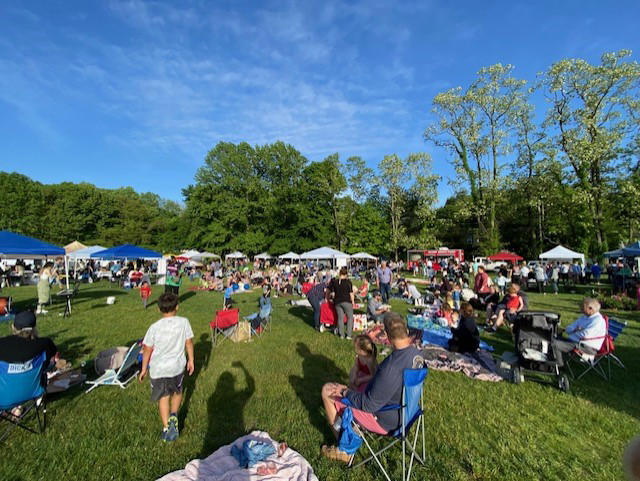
326	253
85	253
560	253
207	255
289	256
264	256
235	255
191	254
364	255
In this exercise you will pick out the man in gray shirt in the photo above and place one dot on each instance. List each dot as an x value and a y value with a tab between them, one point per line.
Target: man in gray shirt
385	277
375	308
385	388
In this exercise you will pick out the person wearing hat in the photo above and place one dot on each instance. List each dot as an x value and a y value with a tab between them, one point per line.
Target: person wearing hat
375	308
24	344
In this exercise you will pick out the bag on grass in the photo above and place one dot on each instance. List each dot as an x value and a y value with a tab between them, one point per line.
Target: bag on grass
242	332
110	359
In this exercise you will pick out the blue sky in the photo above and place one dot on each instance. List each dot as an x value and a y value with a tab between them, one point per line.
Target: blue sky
135	93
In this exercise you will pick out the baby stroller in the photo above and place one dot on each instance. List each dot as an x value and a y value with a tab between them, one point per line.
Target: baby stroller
535	335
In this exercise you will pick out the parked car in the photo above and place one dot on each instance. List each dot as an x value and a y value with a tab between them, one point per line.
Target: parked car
489	266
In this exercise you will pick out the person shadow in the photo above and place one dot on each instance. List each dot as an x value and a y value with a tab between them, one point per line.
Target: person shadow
317	370
201	355
224	427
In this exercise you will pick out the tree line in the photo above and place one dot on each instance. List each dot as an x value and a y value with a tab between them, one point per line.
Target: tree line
525	180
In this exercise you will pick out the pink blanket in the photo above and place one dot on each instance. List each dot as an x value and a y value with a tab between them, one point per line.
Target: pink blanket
222	466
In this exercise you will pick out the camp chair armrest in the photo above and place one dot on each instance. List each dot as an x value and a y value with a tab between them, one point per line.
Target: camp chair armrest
391	407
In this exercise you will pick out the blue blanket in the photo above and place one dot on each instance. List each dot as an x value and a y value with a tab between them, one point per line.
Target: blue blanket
433	333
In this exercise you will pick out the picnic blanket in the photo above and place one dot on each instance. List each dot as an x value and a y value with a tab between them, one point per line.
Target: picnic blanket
433	333
222	466
479	365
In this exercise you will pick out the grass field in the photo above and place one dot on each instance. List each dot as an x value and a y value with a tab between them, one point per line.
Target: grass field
475	430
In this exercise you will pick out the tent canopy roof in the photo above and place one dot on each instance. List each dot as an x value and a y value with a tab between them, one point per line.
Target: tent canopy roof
126	251
263	255
74	246
235	255
190	254
364	255
323	253
208	255
561	253
86	252
632	250
505	256
290	256
17	246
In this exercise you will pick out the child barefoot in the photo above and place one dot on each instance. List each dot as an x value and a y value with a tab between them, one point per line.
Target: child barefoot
365	364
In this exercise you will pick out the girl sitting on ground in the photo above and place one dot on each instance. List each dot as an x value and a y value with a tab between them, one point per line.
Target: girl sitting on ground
365	365
466	337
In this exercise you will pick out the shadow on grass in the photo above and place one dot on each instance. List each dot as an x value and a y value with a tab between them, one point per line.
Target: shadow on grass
201	354
303	313
317	370
184	297
225	410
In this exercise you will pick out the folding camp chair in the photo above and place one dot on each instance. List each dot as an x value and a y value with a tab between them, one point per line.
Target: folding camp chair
111	377
261	320
592	360
411	412
22	388
224	325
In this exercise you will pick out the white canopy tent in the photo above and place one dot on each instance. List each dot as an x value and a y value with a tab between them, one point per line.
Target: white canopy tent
191	254
560	253
326	253
235	255
263	256
85	253
208	255
364	255
289	256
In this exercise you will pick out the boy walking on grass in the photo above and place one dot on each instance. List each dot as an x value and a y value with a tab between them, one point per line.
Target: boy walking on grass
163	355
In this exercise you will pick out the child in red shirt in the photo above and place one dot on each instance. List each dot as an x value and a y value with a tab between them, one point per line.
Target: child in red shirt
145	293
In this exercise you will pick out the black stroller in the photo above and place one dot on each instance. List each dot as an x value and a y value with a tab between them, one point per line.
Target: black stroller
535	335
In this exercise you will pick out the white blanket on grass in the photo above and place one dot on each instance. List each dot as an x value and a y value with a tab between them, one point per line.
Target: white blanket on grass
222	466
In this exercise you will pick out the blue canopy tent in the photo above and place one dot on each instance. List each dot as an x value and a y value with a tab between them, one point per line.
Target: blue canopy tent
18	246
126	251
632	250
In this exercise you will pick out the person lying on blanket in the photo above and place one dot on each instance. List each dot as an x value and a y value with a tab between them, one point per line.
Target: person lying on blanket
385	388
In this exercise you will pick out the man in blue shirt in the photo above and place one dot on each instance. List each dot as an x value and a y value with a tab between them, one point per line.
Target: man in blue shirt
385	277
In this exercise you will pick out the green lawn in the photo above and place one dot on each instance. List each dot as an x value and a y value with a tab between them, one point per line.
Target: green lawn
475	430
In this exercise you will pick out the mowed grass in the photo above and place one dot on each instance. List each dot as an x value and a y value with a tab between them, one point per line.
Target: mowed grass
475	430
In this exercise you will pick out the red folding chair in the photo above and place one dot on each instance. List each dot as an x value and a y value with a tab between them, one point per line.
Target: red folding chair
224	325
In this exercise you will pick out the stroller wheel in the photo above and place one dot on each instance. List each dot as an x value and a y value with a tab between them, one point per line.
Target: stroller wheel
563	383
516	375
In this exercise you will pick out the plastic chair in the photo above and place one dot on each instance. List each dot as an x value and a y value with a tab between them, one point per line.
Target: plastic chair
23	384
119	378
224	325
411	413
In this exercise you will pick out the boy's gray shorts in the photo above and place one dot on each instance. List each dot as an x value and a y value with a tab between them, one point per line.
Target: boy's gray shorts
165	386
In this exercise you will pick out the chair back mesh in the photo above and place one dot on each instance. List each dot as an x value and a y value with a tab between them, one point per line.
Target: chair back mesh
21	382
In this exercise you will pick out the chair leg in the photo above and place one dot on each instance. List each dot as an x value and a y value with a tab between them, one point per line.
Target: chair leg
375	457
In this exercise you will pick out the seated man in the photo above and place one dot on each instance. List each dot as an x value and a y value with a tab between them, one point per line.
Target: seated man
414	293
587	332
385	388
375	308
24	344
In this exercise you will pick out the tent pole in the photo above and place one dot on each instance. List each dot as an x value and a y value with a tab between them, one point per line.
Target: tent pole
66	270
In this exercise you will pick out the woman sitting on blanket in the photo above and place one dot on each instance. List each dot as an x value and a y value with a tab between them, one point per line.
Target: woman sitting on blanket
466	337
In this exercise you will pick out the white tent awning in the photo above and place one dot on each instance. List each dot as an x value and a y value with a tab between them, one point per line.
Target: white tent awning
263	256
560	253
291	256
85	253
324	253
235	255
364	255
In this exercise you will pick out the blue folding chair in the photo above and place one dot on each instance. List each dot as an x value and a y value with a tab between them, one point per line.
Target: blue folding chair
411	413
593	360
22	386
